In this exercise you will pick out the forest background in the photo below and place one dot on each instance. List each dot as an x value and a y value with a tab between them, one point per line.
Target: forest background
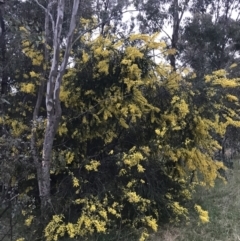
110	125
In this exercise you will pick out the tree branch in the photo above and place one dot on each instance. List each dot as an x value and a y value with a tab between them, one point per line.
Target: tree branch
47	10
64	63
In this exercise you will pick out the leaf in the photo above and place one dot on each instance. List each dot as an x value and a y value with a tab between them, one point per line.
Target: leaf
5	101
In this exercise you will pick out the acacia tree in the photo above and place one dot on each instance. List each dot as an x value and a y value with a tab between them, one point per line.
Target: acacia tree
205	41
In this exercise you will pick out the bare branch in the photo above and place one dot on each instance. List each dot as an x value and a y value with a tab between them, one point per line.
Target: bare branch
69	43
56	53
70	35
47	10
184	9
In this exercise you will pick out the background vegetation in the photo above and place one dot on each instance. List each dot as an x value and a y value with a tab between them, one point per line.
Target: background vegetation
114	129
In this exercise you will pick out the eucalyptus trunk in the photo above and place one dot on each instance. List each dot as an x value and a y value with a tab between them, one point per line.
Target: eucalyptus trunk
54	82
177	18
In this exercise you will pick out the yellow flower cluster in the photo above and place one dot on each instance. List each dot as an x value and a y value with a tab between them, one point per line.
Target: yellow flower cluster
161	132
69	157
178	209
85	57
29	220
132	53
133	197
133	159
75	182
34	74
103	67
62	129
93	166
144	236
203	215
18	128
94	217
22	28
55	228
232	97
35	55
149	41
28	88
151	222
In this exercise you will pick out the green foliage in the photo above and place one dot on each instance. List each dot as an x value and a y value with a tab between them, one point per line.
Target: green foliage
208	44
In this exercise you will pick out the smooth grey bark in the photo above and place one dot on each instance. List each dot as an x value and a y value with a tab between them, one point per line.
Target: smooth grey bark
40	95
54	81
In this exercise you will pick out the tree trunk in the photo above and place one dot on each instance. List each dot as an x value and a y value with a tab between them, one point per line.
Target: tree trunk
3	54
177	18
54	81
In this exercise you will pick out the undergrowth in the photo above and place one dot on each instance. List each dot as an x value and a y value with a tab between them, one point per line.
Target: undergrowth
223	205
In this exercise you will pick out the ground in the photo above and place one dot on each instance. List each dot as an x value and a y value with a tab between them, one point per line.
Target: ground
223	204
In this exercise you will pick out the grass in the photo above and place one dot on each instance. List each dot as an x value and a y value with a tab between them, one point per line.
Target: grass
223	205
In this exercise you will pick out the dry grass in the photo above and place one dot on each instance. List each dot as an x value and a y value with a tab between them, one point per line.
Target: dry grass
223	204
